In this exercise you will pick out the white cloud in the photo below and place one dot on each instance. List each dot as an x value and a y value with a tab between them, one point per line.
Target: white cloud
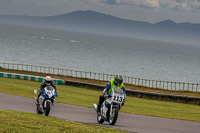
188	5
142	3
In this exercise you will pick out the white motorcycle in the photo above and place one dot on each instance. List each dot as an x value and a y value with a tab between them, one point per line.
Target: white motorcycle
46	100
110	107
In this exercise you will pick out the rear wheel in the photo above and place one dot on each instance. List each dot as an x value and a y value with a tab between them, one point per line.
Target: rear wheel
47	109
113	117
99	119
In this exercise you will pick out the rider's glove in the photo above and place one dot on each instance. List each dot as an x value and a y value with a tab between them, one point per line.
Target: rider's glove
105	92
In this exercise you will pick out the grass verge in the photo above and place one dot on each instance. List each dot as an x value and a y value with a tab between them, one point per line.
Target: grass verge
86	97
98	82
13	121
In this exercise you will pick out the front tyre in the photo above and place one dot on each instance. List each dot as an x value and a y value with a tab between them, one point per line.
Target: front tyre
47	109
113	117
99	119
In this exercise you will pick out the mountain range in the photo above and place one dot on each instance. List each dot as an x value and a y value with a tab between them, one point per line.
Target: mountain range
95	22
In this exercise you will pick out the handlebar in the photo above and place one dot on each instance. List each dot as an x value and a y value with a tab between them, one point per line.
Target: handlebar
105	96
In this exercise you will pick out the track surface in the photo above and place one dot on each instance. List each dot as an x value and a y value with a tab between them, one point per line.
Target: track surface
129	122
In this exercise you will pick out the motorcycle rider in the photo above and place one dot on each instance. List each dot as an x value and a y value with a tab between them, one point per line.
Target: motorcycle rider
118	82
47	81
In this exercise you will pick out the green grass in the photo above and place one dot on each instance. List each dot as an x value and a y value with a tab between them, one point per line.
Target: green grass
13	121
86	97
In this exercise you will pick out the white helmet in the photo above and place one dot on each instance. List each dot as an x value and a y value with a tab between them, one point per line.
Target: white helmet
48	80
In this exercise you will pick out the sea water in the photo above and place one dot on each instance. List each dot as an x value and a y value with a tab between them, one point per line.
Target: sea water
89	52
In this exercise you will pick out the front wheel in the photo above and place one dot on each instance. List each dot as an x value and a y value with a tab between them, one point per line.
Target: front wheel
113	117
99	119
47	109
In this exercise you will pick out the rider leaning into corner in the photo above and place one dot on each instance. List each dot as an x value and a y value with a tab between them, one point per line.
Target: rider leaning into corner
47	81
115	82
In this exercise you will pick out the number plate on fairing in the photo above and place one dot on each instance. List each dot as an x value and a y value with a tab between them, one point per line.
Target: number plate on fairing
118	96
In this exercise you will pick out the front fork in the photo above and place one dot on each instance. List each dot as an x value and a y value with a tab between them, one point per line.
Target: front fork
45	103
111	107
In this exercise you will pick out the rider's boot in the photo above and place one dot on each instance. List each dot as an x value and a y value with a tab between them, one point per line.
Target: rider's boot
37	101
101	99
98	108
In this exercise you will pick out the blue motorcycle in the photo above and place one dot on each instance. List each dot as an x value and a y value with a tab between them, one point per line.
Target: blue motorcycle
46	100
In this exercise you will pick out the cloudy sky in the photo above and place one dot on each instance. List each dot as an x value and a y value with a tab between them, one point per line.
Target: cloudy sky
141	10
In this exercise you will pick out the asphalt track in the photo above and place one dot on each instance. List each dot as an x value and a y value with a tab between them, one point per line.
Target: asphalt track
130	122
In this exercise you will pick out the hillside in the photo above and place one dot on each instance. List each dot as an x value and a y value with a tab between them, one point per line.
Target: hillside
95	22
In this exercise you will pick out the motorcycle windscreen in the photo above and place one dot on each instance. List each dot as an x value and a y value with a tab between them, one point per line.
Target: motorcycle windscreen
118	90
50	88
